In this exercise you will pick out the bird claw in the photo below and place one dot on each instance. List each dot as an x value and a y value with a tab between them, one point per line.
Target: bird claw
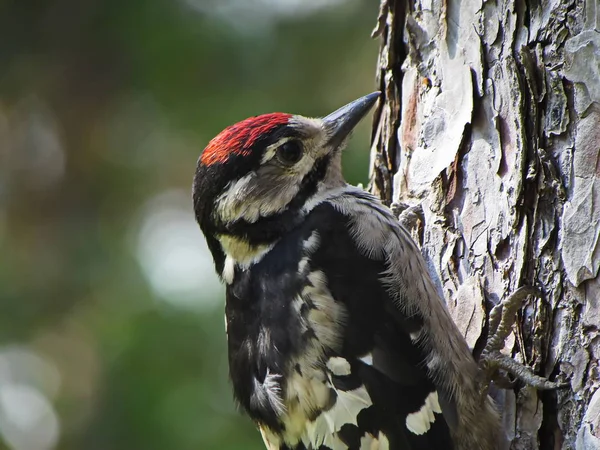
410	217
502	318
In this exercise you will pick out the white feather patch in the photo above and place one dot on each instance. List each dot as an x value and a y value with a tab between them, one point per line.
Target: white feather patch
228	270
367	359
302	265
338	366
316	431
414	336
241	251
263	342
308	390
384	443
324	429
327	316
297	304
370	442
333	442
312	243
273	387
272	442
246	199
347	406
269	392
420	422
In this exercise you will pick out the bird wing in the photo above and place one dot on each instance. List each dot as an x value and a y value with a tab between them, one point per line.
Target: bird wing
381	352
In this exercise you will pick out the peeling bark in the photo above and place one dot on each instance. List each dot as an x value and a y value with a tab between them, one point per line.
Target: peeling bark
491	122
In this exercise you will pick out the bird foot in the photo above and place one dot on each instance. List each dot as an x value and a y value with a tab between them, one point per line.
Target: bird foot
411	217
502	318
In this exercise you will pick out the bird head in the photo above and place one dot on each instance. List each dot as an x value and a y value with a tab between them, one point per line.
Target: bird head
255	178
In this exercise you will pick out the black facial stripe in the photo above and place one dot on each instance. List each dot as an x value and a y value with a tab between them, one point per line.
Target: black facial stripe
268	229
310	182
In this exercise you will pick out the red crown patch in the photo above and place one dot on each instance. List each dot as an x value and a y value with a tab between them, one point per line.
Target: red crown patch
239	138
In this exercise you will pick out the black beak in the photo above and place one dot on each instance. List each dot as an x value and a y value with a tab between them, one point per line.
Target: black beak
339	124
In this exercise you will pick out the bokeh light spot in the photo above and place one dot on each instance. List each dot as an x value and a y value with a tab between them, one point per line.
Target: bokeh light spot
173	253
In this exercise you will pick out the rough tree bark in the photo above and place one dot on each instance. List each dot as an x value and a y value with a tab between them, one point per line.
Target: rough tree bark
491	122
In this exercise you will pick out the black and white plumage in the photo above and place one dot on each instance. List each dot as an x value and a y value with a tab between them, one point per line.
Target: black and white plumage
337	337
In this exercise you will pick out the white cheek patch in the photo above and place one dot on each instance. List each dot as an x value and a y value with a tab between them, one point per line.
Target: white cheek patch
305	165
420	422
263	193
248	198
227	205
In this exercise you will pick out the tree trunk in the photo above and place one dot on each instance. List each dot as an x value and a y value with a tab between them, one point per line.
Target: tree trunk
491	122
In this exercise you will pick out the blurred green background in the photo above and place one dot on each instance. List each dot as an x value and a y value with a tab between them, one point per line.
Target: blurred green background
111	316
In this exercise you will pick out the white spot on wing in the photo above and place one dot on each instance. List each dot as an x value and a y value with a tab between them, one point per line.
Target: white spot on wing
338	366
368	442
272	442
297	304
302	265
333	442
347	406
420	422
384	443
367	359
308	388
414	336
312	243
385	239
324	429
327	316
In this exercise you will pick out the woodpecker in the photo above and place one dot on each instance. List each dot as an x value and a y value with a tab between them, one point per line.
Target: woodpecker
337	336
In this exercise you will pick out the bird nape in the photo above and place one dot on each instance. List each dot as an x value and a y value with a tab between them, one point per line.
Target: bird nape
337	337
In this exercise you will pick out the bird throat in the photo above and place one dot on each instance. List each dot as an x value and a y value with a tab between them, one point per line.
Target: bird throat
242	251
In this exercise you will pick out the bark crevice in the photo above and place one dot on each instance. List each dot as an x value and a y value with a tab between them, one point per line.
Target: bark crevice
492	126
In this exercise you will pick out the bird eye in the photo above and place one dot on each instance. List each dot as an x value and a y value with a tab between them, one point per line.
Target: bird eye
289	152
